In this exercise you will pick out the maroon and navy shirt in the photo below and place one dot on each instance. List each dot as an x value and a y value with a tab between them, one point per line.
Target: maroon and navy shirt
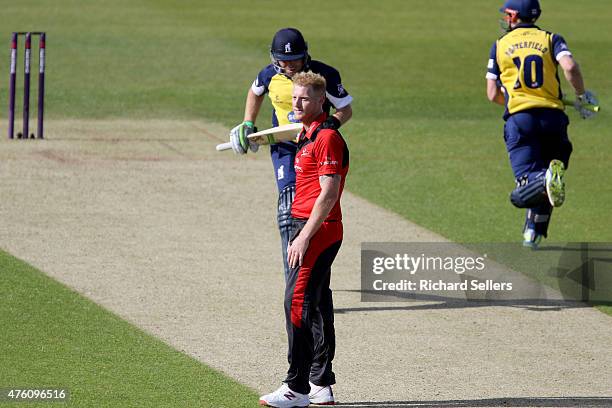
320	152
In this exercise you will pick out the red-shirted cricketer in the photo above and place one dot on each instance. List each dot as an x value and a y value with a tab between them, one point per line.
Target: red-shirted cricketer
321	165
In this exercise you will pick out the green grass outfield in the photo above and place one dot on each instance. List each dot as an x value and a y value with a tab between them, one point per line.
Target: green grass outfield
424	140
53	337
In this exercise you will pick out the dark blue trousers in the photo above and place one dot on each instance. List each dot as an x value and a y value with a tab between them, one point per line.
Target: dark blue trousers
533	138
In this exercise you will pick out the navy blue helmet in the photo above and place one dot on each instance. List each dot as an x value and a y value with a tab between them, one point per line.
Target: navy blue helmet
526	10
288	44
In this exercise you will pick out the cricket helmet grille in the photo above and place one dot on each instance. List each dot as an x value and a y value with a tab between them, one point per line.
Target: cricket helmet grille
526	10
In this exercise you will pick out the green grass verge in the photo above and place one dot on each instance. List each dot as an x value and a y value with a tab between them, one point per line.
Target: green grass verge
52	336
605	309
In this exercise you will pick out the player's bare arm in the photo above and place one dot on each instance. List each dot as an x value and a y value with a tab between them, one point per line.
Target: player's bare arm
330	189
572	73
585	103
252	106
494	93
344	114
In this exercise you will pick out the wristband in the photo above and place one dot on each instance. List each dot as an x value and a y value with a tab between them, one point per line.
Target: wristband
336	121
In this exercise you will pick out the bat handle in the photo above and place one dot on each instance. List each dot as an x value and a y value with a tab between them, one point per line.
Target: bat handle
224	146
593	108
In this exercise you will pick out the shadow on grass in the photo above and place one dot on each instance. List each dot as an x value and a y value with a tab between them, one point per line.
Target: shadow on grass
561	402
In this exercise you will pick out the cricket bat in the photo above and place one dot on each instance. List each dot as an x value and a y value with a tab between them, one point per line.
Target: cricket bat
270	136
593	108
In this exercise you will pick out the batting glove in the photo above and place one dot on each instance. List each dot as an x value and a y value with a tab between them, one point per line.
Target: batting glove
239	138
582	104
331	122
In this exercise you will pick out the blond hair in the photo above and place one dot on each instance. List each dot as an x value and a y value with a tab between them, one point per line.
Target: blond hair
315	81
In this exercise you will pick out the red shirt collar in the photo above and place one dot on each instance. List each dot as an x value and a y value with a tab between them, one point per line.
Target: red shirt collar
315	124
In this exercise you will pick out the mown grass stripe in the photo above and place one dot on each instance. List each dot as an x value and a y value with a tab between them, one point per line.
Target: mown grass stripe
52	336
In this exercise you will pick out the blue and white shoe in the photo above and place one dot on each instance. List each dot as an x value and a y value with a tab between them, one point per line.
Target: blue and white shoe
531	239
555	183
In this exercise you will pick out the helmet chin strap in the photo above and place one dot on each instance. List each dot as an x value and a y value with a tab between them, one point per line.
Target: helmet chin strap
277	67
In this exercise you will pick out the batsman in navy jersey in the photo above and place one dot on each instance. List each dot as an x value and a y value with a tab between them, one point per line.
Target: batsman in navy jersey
289	54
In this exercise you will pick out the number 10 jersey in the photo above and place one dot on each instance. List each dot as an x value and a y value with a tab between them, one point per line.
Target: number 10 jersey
524	61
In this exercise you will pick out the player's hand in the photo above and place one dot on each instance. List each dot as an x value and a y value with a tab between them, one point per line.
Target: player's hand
331	122
582	104
239	138
296	251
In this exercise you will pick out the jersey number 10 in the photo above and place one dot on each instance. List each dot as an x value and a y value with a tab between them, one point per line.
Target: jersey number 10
531	62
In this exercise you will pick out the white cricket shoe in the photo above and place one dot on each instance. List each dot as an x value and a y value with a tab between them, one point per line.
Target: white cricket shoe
284	397
321	395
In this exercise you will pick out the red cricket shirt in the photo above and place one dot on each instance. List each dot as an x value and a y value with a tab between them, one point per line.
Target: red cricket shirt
325	153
